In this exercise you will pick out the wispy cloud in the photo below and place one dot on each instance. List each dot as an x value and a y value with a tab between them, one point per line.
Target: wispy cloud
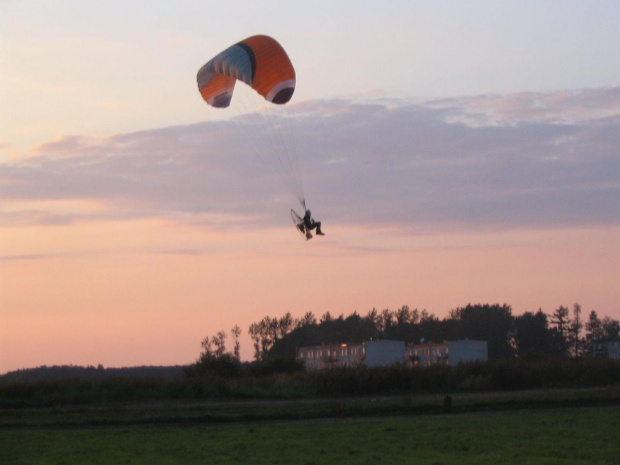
28	257
182	252
494	161
564	107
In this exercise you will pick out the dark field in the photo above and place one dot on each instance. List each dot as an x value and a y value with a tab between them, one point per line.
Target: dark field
544	427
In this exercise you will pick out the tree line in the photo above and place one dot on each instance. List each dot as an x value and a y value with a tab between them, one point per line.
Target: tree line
529	351
565	333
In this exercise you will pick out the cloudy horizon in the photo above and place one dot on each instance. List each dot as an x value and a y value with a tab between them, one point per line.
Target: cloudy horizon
544	160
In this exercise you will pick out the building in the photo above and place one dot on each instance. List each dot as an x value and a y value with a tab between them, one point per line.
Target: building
383	352
605	349
446	353
326	356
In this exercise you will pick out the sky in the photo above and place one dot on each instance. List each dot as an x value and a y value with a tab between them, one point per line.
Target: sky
455	152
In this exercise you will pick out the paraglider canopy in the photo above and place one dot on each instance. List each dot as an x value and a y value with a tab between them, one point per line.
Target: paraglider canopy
259	61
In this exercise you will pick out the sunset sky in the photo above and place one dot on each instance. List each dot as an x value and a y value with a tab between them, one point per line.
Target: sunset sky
456	152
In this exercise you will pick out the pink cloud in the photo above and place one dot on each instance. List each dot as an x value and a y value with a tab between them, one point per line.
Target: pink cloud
499	161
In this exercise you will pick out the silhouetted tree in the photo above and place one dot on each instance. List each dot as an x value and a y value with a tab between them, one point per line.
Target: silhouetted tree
213	360
207	346
285	325
372	317
491	323
600	331
403	315
576	343
594	328
415	317
532	337
236	332
256	335
386	320
432	329
611	329
219	342
307	320
560	323
424	316
269	331
360	329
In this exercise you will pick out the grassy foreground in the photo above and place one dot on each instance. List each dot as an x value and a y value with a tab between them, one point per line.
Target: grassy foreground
547	436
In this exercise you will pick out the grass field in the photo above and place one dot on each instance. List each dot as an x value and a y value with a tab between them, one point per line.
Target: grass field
544	436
